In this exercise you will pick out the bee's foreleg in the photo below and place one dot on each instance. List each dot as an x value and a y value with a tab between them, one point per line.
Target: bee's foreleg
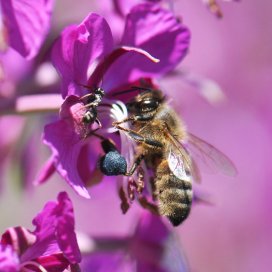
128	119
139	138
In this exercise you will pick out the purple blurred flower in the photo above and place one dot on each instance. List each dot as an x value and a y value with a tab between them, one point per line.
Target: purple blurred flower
122	7
25	24
152	247
52	246
90	44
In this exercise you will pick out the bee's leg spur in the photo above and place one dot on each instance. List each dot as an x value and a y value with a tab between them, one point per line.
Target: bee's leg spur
153	208
140	184
135	165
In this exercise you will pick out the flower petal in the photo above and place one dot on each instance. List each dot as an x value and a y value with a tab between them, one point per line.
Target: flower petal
155	248
46	172
111	58
9	261
65	226
18	238
79	46
55	232
66	138
157	31
27	24
66	146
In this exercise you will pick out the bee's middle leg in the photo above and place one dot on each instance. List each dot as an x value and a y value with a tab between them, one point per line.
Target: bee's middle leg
135	165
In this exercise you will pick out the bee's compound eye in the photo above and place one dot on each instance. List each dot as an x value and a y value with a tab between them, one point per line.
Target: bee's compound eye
113	164
148	105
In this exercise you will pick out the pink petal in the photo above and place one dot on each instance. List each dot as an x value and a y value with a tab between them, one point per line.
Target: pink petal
78	47
55	232
111	58
66	146
27	24
66	139
46	172
157	31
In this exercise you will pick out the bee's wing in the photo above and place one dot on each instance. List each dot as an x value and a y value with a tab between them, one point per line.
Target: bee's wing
209	156
179	160
177	164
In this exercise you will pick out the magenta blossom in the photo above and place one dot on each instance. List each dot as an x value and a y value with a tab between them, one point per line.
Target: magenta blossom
25	23
91	43
52	246
122	7
152	247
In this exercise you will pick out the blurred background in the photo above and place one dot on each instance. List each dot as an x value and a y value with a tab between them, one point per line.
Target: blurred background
234	234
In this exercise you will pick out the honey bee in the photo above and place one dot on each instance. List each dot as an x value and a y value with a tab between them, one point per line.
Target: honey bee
162	142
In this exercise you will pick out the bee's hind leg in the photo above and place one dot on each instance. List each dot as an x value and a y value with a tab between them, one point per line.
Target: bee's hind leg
146	204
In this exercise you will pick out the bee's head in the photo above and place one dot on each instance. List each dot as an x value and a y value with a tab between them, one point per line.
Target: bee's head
146	102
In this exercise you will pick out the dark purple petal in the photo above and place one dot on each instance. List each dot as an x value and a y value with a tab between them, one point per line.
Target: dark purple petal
157	31
77	48
53	263
55	233
27	24
9	261
50	263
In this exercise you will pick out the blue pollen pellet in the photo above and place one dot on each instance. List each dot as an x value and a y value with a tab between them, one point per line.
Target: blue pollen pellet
113	164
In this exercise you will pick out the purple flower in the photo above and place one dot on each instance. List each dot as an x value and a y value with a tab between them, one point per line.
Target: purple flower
122	7
152	247
25	24
52	246
89	44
